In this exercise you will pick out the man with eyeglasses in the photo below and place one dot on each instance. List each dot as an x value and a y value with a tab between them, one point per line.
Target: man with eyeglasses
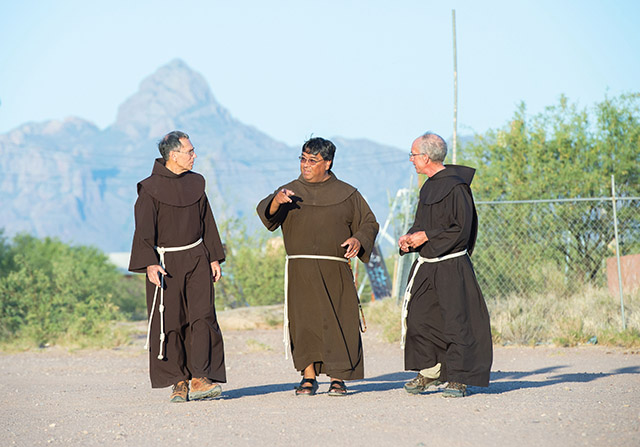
325	223
177	244
446	333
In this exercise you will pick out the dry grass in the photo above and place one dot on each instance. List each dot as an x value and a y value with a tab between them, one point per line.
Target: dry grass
566	320
248	318
254	345
107	336
588	316
384	316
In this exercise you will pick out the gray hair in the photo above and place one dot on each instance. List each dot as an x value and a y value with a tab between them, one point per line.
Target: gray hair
434	146
171	142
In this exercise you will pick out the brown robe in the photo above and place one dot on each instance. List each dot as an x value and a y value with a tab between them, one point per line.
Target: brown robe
323	301
173	211
448	321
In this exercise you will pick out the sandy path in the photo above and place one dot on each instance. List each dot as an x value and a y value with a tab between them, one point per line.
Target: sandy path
539	396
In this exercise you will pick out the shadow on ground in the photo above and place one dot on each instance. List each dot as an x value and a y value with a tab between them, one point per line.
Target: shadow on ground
501	382
505	381
259	390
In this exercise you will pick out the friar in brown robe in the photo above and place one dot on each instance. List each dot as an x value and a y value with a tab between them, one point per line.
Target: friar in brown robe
448	334
172	212
321	216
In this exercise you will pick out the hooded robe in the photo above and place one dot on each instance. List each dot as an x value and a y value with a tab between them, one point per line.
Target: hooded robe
322	298
448	321
172	210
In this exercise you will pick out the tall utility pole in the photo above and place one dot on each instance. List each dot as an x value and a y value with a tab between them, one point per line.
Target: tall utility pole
455	88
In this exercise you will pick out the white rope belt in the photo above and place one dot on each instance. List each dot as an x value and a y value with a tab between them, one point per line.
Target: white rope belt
407	291
285	324
161	251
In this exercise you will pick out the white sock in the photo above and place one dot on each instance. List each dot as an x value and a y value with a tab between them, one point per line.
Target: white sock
431	373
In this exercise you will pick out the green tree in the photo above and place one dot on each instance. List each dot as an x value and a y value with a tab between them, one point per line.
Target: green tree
564	152
4	254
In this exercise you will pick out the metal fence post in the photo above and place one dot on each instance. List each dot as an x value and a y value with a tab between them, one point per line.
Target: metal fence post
615	232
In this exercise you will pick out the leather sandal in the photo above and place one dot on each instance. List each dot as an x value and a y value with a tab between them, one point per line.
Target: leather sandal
337	388
302	390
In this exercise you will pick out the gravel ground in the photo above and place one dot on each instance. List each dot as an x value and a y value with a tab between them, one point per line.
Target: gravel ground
542	396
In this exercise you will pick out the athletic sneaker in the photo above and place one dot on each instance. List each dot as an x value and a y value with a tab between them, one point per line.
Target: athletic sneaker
419	384
455	389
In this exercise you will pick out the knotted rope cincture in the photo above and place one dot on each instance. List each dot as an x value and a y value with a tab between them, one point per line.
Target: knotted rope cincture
285	325
161	251
407	291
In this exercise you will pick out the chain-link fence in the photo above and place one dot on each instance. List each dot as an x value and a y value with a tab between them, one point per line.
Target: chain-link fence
536	246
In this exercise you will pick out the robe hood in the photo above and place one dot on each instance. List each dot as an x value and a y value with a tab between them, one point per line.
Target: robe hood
173	189
440	185
327	193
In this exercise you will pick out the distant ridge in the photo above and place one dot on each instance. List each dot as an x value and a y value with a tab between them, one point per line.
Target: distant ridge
78	183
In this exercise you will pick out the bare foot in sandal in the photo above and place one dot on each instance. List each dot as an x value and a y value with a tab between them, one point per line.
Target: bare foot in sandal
307	387
337	388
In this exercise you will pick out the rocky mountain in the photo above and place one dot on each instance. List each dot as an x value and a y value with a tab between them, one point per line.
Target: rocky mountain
72	180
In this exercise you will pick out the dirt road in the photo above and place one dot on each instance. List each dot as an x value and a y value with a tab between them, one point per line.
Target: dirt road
543	396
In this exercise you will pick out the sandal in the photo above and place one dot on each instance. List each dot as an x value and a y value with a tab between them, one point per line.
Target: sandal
302	390
337	388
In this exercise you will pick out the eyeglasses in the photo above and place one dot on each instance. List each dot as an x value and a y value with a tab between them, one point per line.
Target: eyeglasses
309	161
190	153
411	155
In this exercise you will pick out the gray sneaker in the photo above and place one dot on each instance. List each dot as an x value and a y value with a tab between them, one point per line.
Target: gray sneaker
455	389
419	384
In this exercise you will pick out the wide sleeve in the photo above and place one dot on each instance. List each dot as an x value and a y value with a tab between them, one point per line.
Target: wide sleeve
143	253
457	231
272	222
210	234
364	226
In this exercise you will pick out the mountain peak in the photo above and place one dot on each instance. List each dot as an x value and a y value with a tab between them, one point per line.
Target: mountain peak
174	89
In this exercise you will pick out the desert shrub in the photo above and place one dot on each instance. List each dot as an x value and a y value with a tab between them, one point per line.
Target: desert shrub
253	272
130	298
50	290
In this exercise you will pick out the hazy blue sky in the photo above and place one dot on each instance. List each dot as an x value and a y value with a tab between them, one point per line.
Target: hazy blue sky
360	69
